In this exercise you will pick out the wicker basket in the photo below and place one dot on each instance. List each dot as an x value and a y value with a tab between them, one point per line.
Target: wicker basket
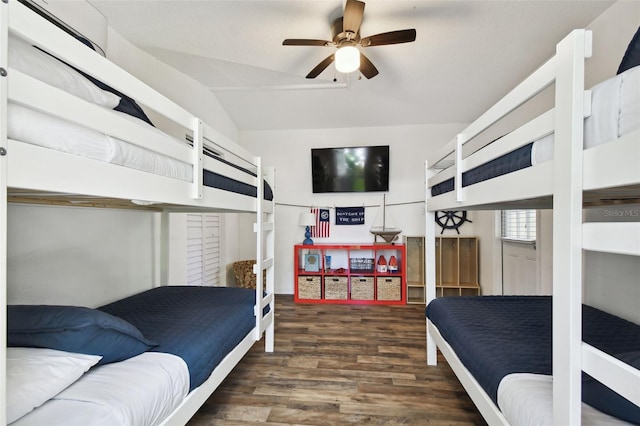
309	288
361	288
388	288
335	288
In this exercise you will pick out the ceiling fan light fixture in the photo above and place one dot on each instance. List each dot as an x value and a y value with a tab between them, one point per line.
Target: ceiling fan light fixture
347	59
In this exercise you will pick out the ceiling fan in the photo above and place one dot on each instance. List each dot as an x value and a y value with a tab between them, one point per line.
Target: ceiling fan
346	37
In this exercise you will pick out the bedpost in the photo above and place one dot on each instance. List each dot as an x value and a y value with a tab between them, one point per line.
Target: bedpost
198	145
270	239
4	34
567	226
429	262
162	256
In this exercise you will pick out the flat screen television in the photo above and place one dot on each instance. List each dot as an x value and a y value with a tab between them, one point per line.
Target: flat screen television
350	169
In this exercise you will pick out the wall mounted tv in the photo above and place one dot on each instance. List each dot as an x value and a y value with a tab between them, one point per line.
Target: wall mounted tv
350	169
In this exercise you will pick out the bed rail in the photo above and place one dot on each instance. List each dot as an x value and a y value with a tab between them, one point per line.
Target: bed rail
23	23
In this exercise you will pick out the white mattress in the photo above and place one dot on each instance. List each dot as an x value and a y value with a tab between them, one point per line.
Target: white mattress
526	399
139	391
37	128
615	105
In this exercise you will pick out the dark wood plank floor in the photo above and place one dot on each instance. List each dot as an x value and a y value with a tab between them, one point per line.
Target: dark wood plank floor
340	365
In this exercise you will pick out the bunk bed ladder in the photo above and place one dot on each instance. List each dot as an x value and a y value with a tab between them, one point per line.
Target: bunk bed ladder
197	159
265	251
4	37
605	237
429	259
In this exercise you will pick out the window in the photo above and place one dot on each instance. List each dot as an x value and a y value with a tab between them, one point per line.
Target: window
203	249
519	225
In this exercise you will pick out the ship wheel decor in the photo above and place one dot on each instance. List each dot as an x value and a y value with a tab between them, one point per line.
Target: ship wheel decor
451	219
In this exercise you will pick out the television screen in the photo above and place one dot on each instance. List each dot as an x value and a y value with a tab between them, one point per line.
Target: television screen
351	169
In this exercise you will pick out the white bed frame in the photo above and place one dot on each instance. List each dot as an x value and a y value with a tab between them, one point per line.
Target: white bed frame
575	176
30	172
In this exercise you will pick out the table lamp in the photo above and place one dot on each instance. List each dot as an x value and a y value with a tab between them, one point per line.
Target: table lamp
308	220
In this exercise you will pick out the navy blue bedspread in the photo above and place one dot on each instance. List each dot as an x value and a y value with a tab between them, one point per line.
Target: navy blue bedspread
498	335
198	324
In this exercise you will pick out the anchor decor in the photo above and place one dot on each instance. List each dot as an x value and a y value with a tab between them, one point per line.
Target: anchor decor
388	233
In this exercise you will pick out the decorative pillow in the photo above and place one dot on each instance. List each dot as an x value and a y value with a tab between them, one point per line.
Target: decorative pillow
604	399
74	329
36	375
46	68
632	55
126	104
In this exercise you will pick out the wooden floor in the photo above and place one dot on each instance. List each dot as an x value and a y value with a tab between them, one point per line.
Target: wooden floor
341	365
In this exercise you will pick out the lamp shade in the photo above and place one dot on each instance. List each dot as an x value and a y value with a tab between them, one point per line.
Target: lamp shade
307	219
347	59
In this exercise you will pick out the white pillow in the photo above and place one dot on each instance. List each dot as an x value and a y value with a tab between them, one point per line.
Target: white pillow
44	67
35	375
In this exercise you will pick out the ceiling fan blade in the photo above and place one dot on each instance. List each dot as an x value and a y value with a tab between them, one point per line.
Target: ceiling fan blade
353	12
392	37
305	42
321	66
367	68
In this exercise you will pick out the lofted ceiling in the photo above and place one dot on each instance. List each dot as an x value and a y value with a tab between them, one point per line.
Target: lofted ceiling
466	55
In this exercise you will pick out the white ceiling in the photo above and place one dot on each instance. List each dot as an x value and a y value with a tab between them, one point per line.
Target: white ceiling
466	55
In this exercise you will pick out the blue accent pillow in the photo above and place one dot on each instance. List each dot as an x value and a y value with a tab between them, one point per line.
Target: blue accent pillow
126	104
604	399
74	329
632	55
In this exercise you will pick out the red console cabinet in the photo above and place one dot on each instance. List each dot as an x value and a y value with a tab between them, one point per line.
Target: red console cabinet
350	273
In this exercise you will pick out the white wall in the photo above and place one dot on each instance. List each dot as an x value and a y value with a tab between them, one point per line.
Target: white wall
611	281
75	255
290	153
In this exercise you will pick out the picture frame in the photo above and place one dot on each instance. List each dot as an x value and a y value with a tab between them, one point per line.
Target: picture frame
312	262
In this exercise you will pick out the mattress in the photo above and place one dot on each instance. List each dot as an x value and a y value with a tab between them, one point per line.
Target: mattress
475	329
201	325
615	112
527	400
139	391
37	128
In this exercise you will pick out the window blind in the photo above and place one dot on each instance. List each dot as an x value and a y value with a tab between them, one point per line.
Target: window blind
519	225
203	249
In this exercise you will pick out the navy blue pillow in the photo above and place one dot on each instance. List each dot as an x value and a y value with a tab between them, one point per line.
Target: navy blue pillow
126	105
74	329
632	55
604	399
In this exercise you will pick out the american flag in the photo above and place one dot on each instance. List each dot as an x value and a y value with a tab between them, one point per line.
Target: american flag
321	229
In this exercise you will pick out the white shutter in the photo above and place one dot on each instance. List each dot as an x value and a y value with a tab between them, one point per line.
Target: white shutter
203	249
519	225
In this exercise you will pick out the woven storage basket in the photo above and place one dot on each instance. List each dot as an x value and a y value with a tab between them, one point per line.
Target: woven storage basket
388	288
361	288
309	288
335	288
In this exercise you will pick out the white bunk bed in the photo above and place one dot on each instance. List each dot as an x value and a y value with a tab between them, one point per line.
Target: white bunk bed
32	173
609	171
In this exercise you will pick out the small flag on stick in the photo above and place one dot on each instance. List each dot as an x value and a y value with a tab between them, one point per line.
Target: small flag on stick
321	230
